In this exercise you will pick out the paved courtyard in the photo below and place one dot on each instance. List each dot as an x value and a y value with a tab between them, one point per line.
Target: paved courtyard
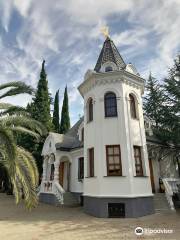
49	222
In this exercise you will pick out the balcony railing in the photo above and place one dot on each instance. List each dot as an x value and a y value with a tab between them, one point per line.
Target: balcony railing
47	186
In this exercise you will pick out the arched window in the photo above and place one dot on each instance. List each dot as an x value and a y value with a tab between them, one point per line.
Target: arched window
108	69
90	110
110	104
132	106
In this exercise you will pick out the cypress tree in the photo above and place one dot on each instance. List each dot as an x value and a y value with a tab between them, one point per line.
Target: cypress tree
153	100
41	103
65	119
39	110
55	120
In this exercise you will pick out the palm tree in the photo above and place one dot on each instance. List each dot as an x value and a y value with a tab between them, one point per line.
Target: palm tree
19	163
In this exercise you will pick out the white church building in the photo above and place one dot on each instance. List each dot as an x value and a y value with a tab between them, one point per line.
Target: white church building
102	162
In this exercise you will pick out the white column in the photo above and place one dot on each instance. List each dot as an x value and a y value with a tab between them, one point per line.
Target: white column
44	168
56	171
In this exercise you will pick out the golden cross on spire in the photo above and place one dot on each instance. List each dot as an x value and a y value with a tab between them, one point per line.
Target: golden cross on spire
105	31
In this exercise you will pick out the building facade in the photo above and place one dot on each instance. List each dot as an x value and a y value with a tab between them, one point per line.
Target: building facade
102	161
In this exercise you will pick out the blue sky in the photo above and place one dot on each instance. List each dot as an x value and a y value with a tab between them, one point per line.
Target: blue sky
67	35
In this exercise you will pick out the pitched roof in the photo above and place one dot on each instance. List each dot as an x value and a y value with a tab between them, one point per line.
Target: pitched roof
109	53
71	139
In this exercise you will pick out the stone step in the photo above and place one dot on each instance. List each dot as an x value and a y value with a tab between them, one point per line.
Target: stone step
70	200
160	203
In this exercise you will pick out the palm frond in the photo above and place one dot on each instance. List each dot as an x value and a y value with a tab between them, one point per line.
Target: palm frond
16	88
24	121
24	130
31	163
5	105
6	138
24	176
19	163
14	110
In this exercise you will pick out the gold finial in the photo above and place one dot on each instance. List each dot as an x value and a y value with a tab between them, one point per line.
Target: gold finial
105	31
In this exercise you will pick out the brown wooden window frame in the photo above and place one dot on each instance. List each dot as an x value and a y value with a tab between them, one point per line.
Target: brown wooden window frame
80	168
119	164
133	109
138	173
90	162
109	104
90	110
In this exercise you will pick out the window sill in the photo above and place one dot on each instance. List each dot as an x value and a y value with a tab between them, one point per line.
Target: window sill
114	176
135	119
91	177
142	176
89	121
106	117
81	180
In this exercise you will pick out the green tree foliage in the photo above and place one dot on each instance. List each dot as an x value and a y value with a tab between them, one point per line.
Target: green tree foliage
55	120
40	108
162	105
170	122
19	163
153	100
65	119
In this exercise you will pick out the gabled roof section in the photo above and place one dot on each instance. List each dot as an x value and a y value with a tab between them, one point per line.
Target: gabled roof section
109	53
71	139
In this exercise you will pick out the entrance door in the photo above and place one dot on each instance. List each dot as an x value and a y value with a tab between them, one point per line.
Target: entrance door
151	175
61	173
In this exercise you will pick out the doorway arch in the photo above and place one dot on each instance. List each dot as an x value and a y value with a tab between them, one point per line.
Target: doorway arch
64	173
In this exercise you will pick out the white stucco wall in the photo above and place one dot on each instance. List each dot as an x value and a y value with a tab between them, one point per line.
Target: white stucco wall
116	130
75	184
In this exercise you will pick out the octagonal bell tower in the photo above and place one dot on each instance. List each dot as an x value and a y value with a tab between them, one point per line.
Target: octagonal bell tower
116	170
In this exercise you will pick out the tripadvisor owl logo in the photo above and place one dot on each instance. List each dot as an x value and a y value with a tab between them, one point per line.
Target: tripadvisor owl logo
139	231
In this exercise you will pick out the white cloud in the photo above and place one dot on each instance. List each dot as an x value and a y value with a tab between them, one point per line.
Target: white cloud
67	31
91	12
5	13
23	6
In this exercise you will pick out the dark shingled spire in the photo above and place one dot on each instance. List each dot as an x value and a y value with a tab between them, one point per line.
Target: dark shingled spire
109	53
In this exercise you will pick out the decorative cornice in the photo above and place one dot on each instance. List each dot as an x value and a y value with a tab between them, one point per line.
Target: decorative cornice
93	79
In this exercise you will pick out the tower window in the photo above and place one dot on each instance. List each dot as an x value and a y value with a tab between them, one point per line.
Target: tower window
132	106
81	168
108	69
110	104
90	110
91	162
113	158
138	160
82	135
